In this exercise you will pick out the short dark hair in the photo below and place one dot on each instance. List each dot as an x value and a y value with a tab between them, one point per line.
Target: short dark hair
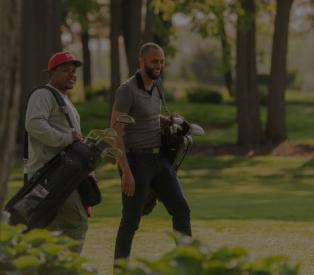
147	46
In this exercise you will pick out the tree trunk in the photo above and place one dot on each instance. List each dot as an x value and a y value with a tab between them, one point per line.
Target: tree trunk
276	130
226	54
247	100
41	37
10	88
115	31
148	34
131	26
86	55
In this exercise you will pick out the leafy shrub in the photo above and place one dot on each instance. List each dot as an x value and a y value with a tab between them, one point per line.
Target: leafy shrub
263	79
292	80
38	252
169	95
263	95
204	95
191	257
98	94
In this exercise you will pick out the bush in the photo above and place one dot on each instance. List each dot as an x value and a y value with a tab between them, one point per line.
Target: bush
38	252
191	257
98	94
169	95
204	95
292	80
263	95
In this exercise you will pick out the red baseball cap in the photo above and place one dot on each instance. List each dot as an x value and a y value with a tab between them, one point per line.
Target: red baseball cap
61	58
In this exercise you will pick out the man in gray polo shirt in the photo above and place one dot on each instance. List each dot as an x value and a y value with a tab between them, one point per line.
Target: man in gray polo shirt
141	164
49	133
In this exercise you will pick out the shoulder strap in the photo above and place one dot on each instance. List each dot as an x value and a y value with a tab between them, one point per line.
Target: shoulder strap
160	89
60	101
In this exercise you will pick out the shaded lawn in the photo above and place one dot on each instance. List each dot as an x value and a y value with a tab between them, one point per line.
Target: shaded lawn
265	204
227	187
218	120
261	238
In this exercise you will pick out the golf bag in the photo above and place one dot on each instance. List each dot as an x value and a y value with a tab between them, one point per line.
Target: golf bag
176	135
176	140
37	203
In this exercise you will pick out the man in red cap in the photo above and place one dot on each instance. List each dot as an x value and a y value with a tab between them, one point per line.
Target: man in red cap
49	133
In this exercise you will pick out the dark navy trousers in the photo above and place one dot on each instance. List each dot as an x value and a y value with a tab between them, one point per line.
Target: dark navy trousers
151	171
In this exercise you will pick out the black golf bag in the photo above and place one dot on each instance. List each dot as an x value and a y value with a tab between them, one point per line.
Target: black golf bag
176	140
38	202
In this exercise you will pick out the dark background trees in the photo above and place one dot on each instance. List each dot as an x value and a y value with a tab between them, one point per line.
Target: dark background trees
46	24
276	129
10	86
41	37
247	96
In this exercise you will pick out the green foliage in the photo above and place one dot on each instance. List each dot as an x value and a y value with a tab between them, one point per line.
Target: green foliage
79	10
292	79
38	252
101	93
204	95
263	79
263	94
169	95
192	257
94	115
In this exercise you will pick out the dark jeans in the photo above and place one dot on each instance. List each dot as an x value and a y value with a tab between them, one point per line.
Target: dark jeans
155	172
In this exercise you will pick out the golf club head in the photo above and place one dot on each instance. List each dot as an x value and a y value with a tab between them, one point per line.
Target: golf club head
125	119
102	136
196	130
177	120
107	136
110	154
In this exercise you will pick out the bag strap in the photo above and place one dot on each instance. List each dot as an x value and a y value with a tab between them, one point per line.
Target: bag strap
160	89
60	101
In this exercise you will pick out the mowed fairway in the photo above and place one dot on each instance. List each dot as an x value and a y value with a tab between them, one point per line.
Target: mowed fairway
264	204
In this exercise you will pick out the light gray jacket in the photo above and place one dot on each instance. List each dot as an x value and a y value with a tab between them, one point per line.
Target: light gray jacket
48	130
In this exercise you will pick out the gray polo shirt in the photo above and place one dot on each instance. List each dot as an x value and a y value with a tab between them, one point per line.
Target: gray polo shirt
144	107
48	130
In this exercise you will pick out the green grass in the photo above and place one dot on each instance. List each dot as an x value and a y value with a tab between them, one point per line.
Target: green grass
219	121
263	203
260	237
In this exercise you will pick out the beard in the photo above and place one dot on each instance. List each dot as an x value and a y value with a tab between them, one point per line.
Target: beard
151	74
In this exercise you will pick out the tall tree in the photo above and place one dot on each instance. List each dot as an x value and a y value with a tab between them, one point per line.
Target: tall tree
115	32
80	11
148	34
247	100
10	88
276	130
41	37
131	26
208	19
218	11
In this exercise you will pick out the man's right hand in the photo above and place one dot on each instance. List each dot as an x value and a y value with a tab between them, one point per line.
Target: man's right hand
128	184
76	136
